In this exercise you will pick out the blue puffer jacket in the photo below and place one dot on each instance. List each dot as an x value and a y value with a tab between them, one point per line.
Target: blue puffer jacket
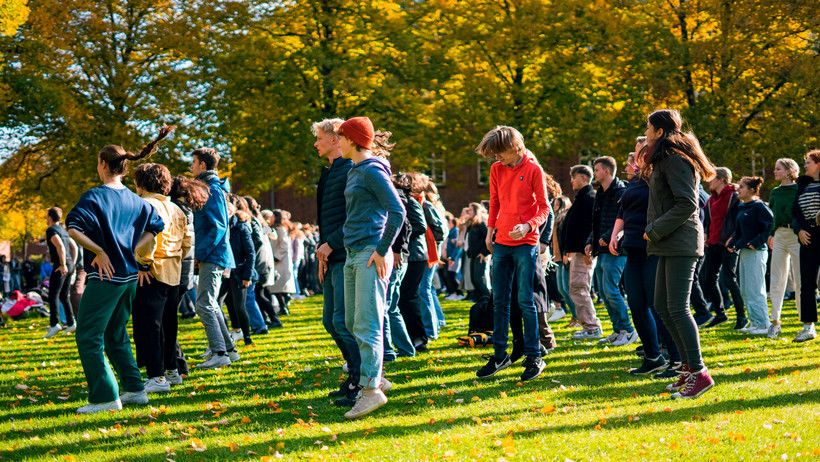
211	224
330	203
244	253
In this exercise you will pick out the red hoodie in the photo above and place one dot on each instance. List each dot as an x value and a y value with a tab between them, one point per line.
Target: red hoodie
517	195
718	207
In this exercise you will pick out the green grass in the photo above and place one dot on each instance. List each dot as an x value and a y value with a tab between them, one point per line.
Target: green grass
585	406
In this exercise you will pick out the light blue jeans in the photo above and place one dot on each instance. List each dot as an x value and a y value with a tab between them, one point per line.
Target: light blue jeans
394	329
365	303
752	269
208	309
333	317
429	315
254	313
607	278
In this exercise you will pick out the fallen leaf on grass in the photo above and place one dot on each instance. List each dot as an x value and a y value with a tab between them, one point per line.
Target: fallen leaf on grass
233	446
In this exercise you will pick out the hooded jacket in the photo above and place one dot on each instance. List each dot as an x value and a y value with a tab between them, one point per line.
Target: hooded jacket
330	203
518	195
604	212
211	223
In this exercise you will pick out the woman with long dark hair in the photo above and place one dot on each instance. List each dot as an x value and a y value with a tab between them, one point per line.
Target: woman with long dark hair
157	297
188	195
675	166
111	223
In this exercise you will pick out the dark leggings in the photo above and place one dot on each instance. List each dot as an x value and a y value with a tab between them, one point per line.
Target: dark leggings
477	269
266	304
410	304
233	294
717	258
673	285
58	292
809	265
155	327
282	299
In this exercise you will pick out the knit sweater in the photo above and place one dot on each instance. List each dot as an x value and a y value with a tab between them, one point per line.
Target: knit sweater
754	220
518	195
781	200
806	204
330	203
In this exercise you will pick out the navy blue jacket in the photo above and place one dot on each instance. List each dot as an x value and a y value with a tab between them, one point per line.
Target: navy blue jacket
632	211
754	221
244	253
604	213
330	203
578	222
417	246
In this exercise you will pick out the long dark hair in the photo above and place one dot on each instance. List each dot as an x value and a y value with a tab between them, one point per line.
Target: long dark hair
675	141
117	158
193	192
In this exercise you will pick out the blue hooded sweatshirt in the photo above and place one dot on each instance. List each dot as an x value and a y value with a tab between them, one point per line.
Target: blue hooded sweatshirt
374	212
211	224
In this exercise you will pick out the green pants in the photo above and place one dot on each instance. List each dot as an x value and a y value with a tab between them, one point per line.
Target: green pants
101	327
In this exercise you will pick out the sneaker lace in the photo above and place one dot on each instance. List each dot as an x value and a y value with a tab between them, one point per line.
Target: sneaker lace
691	381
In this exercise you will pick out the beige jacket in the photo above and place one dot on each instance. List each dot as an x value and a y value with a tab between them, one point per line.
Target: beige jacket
171	245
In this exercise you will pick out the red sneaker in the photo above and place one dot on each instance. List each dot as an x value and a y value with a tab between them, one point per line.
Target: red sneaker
684	375
697	384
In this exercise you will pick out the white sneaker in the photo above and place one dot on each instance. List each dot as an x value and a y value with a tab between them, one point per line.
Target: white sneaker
233	356
207	353
134	397
758	329
587	334
806	334
157	385
774	331
345	368
557	314
610	338
385	385
369	400
626	338
52	331
745	330
70	329
236	336
173	377
91	408
215	361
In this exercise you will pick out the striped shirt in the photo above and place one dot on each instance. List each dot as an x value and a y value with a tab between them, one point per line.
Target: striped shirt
809	201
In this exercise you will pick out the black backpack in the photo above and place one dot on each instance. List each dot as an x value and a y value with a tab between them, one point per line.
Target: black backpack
481	315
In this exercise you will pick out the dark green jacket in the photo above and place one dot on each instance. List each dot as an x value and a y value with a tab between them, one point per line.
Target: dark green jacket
673	225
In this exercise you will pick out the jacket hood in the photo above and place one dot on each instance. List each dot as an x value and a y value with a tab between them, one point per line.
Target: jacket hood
803	180
210	176
374	162
727	190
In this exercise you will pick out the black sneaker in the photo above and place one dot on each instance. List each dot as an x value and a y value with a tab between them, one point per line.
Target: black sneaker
260	331
533	366
649	366
342	388
494	365
719	319
517	351
349	400
703	319
639	351
742	323
671	372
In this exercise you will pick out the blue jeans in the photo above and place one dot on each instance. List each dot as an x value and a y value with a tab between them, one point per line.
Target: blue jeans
752	269
607	277
395	331
509	260
562	275
365	297
254	313
428	315
333	317
208	309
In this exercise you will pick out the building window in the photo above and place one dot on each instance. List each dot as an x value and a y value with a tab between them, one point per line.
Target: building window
436	170
483	170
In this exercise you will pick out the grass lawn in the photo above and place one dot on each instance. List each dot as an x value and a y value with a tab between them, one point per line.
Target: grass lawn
273	404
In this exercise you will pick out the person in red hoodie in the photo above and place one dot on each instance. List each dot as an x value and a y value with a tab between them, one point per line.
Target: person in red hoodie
518	206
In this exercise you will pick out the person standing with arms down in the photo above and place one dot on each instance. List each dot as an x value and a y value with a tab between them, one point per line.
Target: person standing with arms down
805	212
374	216
111	223
518	207
675	165
59	281
213	252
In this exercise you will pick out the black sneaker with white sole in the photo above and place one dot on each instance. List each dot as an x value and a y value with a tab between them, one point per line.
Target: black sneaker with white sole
533	366
343	388
671	372
494	365
649	366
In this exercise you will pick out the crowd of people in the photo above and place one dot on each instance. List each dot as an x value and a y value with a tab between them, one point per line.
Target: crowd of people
384	248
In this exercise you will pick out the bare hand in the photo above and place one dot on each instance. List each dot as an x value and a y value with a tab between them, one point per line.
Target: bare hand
804	237
381	264
103	265
144	276
728	241
587	259
588	249
602	242
542	247
489	243
613	247
646	237
752	247
397	260
322	269
770	242
62	271
567	258
558	258
323	252
246	283
519	231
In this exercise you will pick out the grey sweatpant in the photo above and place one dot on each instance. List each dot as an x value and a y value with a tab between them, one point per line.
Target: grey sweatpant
208	309
673	284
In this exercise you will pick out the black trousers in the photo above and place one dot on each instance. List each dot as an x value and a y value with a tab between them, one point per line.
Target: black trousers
186	305
155	327
233	294
809	266
58	287
697	299
410	304
477	269
717	258
266	304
